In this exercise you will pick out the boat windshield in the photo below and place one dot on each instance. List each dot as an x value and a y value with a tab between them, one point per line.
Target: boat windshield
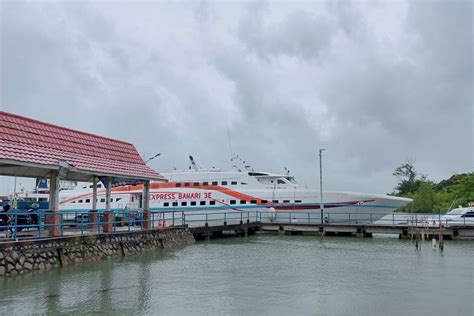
457	211
291	179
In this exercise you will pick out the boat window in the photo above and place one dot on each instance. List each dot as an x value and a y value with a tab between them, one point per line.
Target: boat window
243	183
193	203
102	200
186	184
166	204
202	203
178	184
271	181
264	201
233	183
184	203
469	214
117	199
255	174
281	181
196	184
90	187
233	201
73	202
253	201
275	201
212	203
99	186
175	203
80	201
205	183
286	201
291	179
88	200
243	202
224	182
297	201
214	182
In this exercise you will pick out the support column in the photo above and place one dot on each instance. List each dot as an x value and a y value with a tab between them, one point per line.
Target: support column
94	194
108	218
93	212
146	206
53	217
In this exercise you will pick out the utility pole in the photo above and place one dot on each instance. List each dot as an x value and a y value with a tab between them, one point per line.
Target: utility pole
321	205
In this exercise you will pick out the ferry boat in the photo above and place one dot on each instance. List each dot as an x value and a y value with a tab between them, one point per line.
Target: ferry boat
277	196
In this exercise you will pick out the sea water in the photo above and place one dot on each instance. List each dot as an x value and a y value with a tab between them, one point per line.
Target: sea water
259	275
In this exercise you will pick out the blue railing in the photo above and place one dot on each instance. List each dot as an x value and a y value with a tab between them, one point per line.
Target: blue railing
19	224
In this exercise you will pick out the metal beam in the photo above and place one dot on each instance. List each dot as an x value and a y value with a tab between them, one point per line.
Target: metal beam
94	194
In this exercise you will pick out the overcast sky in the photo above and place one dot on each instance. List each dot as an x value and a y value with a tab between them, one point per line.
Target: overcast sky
376	83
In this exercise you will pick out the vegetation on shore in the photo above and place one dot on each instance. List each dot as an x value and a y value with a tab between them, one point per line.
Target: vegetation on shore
429	196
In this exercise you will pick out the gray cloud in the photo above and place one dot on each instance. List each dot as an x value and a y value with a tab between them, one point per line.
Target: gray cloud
301	34
375	83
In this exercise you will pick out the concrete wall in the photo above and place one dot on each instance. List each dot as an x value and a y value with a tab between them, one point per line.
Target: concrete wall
35	255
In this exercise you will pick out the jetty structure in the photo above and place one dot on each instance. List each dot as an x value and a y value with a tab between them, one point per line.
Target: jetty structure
31	148
36	149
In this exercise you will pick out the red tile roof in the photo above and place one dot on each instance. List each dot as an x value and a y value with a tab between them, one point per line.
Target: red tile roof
27	140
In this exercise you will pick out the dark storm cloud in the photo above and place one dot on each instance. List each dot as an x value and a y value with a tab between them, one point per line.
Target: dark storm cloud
375	83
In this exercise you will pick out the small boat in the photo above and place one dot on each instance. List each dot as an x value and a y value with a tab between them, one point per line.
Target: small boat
460	216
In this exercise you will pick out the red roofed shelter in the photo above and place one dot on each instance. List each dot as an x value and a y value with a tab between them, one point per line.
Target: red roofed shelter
30	148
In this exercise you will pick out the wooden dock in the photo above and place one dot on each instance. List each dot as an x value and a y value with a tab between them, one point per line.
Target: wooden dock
368	230
243	228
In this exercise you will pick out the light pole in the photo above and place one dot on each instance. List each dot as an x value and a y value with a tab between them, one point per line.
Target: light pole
158	154
321	205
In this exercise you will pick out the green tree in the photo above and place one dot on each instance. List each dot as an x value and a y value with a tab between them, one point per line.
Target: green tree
463	189
409	180
424	199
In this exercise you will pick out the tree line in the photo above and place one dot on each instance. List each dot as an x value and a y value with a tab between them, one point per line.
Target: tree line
429	196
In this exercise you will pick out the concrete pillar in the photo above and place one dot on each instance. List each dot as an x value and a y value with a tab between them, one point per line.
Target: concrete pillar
147	218
93	213
53	217
108	216
54	192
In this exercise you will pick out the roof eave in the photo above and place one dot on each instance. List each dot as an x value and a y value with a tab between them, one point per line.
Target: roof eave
34	170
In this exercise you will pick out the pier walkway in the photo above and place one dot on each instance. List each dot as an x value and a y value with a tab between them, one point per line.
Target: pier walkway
205	225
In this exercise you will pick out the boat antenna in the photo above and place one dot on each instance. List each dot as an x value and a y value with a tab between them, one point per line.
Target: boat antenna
449	208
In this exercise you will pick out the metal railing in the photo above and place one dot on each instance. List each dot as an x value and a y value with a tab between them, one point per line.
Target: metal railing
37	224
351	218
